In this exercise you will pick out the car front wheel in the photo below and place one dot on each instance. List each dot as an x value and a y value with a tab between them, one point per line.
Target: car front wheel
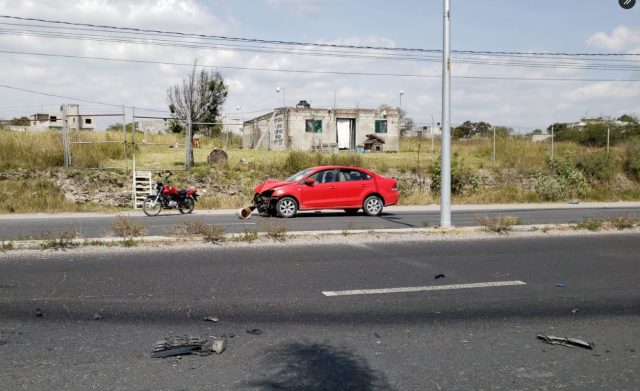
372	205
286	207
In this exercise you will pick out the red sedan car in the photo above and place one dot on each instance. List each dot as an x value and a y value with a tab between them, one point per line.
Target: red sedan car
327	187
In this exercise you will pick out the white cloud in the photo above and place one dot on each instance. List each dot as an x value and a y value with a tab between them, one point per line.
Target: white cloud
621	38
302	6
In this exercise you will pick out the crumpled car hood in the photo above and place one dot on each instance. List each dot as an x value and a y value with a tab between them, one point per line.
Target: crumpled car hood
270	184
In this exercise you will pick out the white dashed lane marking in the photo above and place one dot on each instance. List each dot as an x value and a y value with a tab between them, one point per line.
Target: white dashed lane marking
493	284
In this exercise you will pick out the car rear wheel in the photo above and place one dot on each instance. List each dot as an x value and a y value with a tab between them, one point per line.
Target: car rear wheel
372	205
286	207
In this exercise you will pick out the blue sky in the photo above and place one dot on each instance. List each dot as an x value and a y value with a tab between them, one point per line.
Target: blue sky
600	26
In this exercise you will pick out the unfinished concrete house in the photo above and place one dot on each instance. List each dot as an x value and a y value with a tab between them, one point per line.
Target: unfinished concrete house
303	128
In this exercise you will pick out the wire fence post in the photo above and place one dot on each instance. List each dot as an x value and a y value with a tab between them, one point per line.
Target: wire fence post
494	145
188	150
124	135
65	137
551	142
608	134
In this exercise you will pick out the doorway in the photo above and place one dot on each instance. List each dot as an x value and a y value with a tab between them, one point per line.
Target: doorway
346	133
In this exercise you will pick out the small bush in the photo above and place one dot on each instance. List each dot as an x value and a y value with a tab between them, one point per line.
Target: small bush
6	246
632	161
498	224
462	179
598	166
209	232
564	181
276	230
127	227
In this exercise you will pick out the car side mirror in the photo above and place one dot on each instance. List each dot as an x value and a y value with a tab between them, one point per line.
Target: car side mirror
309	181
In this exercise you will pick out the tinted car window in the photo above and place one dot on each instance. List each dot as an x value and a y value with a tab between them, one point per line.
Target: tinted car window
353	175
324	176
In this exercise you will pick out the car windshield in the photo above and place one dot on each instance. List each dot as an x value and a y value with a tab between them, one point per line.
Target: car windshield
298	175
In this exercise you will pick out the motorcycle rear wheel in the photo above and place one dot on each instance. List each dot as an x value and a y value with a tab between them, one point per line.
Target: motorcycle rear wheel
151	207
187	206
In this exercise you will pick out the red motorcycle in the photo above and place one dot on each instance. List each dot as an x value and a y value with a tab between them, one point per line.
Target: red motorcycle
169	197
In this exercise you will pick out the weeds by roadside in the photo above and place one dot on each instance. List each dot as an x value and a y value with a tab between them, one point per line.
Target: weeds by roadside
275	230
589	224
246	236
621	222
127	227
209	232
498	224
6	246
62	242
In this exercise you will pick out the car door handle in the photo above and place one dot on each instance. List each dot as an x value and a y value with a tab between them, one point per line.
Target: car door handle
332	187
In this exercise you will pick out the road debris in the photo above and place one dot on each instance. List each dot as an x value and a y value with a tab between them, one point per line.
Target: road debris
39	312
98	316
569	342
181	345
219	345
575	310
254	331
213	319
561	285
439	276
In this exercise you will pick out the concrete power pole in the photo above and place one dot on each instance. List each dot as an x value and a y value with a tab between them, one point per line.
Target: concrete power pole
445	173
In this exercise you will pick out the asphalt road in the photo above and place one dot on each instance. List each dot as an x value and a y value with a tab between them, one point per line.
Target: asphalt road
95	226
481	338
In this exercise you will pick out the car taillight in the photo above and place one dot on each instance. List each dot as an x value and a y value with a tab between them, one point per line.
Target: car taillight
394	186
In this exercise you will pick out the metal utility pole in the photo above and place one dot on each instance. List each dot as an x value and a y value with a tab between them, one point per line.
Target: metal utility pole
445	173
124	132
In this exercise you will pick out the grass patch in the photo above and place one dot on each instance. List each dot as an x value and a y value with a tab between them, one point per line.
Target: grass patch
127	227
33	195
498	224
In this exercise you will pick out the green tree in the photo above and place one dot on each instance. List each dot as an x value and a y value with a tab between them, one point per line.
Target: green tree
470	129
22	121
200	97
628	118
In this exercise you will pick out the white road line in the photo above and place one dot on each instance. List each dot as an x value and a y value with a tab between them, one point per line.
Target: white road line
423	288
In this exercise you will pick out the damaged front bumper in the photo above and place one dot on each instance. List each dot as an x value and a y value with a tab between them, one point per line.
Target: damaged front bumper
265	202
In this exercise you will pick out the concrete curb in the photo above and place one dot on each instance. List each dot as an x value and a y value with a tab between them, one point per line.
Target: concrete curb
8	245
389	209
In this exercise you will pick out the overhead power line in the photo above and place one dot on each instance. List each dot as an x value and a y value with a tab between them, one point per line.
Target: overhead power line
295	43
307	71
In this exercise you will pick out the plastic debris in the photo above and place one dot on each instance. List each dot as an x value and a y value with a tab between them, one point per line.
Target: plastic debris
561	285
568	342
439	276
39	312
575	310
254	331
98	316
213	319
178	346
375	334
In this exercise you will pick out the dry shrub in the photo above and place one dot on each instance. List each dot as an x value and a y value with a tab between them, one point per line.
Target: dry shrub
498	224
127	227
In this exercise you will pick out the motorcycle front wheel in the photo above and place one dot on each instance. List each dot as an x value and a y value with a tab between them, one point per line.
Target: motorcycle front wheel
151	206
187	206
